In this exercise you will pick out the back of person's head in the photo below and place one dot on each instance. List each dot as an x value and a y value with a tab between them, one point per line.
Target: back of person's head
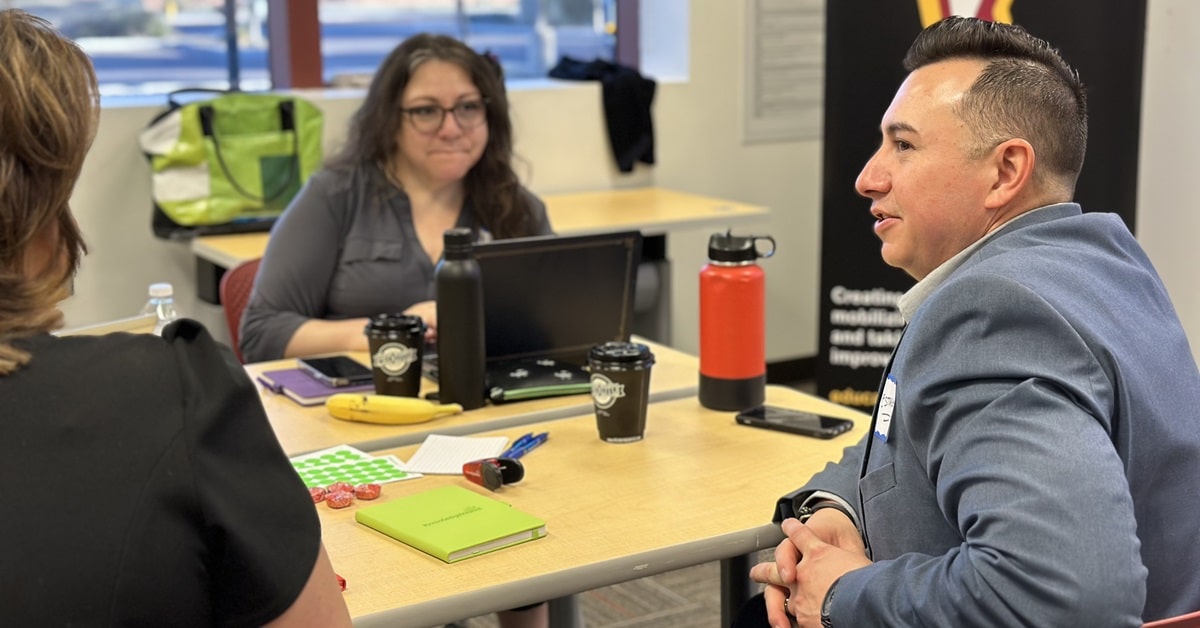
49	104
1027	90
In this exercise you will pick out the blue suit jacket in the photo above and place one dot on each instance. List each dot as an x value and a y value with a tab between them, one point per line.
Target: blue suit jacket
1043	462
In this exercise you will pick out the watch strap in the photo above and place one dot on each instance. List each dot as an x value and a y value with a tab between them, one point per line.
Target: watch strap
805	512
827	605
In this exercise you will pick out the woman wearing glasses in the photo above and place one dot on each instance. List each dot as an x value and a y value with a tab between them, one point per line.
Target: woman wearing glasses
429	149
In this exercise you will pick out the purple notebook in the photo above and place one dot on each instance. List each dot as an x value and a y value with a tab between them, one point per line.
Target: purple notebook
303	388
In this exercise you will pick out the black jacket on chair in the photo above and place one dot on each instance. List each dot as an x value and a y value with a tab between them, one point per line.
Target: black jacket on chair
627	97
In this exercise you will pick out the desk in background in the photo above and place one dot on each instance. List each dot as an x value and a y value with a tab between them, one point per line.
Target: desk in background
654	211
698	488
305	429
140	324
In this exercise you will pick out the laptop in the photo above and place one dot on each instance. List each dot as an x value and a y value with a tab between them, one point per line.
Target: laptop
547	301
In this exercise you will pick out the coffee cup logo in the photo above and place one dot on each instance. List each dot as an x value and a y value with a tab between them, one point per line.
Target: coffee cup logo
606	392
394	359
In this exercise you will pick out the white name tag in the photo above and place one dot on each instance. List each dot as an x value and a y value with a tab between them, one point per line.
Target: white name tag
887	403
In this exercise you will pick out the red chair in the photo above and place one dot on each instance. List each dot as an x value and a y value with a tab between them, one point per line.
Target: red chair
1190	620
234	292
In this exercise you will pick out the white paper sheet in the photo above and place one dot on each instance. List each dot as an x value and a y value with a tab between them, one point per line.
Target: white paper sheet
445	455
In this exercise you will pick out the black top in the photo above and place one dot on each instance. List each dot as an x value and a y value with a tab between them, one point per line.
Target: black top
143	486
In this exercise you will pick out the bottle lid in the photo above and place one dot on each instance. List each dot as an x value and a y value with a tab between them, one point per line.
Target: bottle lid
402	323
614	352
459	243
726	247
161	290
458	237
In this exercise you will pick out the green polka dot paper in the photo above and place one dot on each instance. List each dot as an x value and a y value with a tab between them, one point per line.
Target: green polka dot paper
347	464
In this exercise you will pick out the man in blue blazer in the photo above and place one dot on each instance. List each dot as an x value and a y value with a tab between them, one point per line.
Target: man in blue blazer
1035	450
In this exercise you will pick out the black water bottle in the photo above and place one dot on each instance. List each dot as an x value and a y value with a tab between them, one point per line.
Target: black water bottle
461	357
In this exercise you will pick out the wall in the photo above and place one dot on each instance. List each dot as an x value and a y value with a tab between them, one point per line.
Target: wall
560	135
698	125
1168	215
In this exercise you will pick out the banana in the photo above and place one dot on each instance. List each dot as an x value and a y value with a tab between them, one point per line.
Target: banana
385	409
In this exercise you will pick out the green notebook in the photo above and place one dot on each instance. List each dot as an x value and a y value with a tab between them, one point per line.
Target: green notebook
452	523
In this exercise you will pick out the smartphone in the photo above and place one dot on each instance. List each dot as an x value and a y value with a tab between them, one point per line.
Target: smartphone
794	421
337	371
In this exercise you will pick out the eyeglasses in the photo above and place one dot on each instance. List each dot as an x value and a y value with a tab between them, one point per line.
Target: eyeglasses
429	118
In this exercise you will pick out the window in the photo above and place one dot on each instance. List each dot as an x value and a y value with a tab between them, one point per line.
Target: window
155	46
357	34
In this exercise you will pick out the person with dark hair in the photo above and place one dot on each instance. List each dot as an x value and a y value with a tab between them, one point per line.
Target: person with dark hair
1034	453
429	149
143	484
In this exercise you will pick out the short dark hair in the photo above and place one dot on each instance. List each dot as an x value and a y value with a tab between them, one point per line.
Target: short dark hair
491	185
1026	90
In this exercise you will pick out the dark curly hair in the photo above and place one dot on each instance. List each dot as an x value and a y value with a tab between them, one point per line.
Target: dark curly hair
491	185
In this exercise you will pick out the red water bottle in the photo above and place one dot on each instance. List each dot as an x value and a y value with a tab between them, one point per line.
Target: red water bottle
733	364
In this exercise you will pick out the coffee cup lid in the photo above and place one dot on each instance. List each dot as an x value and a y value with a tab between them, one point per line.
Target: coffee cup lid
620	352
410	323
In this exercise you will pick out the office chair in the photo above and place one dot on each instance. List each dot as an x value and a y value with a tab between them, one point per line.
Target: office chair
234	292
1190	620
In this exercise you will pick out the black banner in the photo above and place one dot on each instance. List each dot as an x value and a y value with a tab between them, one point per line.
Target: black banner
865	44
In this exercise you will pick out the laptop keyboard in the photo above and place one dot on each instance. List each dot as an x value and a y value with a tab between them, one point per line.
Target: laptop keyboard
526	378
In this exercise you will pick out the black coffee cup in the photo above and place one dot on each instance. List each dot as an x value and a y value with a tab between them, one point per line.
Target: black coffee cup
620	376
396	342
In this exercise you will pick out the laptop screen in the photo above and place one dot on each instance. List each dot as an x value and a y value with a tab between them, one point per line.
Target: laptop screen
557	296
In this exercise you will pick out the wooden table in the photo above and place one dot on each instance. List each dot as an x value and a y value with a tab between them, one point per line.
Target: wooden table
140	324
653	211
304	429
698	488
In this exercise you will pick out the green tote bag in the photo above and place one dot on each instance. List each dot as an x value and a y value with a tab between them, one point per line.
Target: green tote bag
230	163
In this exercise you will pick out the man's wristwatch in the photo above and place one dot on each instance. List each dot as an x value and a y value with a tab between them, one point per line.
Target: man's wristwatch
805	512
827	606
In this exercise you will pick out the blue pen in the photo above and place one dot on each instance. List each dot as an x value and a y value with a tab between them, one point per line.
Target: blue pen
517	452
517	444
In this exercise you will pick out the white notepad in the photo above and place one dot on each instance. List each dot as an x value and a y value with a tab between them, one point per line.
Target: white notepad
445	455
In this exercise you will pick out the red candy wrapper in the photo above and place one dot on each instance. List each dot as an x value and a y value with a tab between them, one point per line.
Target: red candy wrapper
367	491
318	494
340	486
339	499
